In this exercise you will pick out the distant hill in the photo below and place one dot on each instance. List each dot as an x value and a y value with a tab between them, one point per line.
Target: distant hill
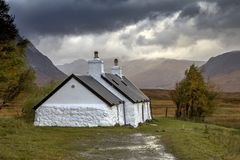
163	75
158	73
45	70
224	71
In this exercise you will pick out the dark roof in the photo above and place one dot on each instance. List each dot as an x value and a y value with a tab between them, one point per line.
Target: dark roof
91	84
136	90
125	87
98	89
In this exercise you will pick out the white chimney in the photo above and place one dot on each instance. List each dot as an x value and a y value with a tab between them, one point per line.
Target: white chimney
95	66
117	69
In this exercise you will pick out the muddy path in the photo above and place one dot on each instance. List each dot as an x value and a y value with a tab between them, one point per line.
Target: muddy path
135	146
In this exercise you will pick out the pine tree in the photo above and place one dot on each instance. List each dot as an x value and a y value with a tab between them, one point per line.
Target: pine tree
8	29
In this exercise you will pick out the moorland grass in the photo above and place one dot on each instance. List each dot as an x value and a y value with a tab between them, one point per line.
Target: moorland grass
199	141
226	112
186	140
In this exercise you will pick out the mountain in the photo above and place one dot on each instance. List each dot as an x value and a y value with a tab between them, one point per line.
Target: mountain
163	75
224	71
158	73
45	70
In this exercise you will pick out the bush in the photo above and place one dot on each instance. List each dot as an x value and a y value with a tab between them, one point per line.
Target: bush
35	96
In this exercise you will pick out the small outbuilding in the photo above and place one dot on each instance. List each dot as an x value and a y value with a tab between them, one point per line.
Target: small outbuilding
96	99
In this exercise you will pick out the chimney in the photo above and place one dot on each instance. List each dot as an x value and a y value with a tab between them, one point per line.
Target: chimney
117	69
95	66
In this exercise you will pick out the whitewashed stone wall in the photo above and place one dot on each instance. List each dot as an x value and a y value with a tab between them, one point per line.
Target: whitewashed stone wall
145	108
120	115
76	115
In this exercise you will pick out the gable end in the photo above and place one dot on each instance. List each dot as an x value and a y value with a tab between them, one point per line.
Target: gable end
81	82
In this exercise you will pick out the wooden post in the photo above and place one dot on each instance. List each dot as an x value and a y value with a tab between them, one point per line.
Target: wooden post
166	112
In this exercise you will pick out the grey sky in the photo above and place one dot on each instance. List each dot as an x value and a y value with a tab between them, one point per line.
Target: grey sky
66	30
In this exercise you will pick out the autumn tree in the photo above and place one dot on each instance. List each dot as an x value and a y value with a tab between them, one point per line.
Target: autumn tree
192	96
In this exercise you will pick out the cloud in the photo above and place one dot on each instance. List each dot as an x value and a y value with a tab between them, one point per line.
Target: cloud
177	29
218	14
61	17
164	37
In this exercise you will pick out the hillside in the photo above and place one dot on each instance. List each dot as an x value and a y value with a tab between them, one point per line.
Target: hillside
45	70
224	71
157	73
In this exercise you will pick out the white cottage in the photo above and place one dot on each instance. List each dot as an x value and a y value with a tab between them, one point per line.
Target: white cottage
96	99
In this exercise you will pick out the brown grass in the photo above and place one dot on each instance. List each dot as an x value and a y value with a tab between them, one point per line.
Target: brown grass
13	109
226	113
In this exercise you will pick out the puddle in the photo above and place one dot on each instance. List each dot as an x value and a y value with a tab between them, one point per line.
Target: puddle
129	147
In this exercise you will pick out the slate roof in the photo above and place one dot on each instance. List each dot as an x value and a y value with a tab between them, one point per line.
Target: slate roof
98	89
125	87
91	84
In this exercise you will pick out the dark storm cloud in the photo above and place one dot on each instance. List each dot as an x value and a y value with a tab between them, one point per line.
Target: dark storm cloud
219	19
61	17
228	15
190	10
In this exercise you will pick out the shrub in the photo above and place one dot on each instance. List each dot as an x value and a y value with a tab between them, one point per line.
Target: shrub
34	97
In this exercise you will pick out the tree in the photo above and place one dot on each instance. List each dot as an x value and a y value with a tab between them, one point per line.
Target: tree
192	96
8	29
14	72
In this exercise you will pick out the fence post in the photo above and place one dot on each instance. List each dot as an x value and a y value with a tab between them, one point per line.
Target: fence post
166	112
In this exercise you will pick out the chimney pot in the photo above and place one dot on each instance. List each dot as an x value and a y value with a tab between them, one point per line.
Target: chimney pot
117	69
96	54
116	62
95	66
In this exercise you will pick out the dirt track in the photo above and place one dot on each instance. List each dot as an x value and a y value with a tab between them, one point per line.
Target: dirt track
127	147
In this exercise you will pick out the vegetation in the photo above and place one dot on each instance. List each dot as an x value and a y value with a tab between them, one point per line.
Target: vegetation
226	113
8	28
15	77
192	96
186	140
34	96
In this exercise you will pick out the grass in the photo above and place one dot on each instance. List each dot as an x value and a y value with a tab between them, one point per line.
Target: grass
19	139
22	105
186	140
226	113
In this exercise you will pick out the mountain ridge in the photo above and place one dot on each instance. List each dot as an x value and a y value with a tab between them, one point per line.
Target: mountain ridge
45	70
224	71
